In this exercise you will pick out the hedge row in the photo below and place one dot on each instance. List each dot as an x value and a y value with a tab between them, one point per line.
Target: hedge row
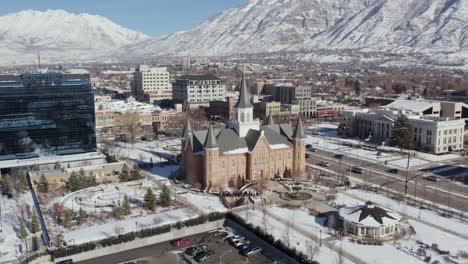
127	237
270	239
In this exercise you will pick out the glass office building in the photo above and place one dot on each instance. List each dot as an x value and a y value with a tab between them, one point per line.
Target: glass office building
46	114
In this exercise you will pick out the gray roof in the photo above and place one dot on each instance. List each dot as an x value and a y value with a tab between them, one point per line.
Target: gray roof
227	139
210	141
244	97
299	130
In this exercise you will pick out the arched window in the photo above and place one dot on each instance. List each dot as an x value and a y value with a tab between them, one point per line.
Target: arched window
242	117
248	117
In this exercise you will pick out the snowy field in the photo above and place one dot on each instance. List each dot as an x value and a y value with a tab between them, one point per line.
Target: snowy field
97	232
301	219
204	202
11	245
328	140
296	239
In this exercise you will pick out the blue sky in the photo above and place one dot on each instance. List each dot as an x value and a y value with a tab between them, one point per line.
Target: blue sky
153	17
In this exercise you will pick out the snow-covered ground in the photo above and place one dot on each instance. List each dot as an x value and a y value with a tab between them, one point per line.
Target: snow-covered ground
204	202
328	140
401	207
97	232
296	239
11	245
302	219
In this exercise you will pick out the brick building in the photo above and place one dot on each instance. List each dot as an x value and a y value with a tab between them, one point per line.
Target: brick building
242	151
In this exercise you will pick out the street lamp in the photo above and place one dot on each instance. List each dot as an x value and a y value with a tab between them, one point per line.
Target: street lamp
320	241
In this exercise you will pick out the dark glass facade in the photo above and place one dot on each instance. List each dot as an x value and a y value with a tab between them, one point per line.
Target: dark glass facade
46	114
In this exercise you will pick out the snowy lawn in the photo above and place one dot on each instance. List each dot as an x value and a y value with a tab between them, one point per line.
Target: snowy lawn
11	245
301	218
206	203
296	240
97	232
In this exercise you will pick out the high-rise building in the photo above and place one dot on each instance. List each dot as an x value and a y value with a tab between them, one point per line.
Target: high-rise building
296	95
46	114
151	84
198	89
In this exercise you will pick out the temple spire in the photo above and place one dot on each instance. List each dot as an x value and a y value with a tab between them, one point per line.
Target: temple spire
210	141
187	129
269	121
299	132
244	96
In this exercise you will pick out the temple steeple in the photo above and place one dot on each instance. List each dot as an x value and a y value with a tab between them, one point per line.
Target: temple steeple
210	141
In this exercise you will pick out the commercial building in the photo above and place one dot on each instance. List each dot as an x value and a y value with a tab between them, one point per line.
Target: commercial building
46	114
224	109
429	133
243	151
328	108
151	84
292	95
198	89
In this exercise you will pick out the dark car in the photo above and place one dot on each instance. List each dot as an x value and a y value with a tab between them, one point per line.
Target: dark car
394	171
308	146
339	156
307	156
245	246
193	251
203	256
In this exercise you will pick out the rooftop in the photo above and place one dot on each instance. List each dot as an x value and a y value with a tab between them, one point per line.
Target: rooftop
369	214
199	77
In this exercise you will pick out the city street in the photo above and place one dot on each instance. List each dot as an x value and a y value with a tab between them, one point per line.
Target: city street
443	192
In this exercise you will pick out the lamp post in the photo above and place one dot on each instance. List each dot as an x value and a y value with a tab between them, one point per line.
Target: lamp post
320	241
95	209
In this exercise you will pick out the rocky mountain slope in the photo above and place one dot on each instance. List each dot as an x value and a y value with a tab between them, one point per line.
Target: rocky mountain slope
304	25
60	35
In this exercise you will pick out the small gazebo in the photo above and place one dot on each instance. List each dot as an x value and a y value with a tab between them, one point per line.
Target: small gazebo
369	221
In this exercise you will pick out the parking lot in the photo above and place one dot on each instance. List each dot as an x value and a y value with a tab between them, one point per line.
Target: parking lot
168	253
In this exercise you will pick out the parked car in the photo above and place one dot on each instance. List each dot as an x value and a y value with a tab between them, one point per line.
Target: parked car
246	246
312	150
308	146
204	256
239	243
357	170
251	251
431	178
235	238
394	171
307	156
339	156
181	242
324	164
193	251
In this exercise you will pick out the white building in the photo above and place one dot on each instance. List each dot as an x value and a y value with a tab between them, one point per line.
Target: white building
369	221
430	133
151	84
198	89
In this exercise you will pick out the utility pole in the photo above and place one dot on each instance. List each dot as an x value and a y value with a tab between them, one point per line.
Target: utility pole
406	177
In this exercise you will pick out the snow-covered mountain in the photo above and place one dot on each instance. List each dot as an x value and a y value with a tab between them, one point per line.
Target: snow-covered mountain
60	35
259	26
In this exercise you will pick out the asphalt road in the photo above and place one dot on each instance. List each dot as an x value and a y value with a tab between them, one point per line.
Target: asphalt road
443	192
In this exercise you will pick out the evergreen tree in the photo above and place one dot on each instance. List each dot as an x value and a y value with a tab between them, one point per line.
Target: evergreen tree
73	182
23	232
43	185
67	219
343	128
34	223
126	205
57	166
165	196
23	182
401	133
149	199
135	173
81	216
124	175
6	183
90	180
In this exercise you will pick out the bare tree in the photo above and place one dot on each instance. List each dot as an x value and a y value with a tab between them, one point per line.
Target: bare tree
312	248
340	253
131	127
